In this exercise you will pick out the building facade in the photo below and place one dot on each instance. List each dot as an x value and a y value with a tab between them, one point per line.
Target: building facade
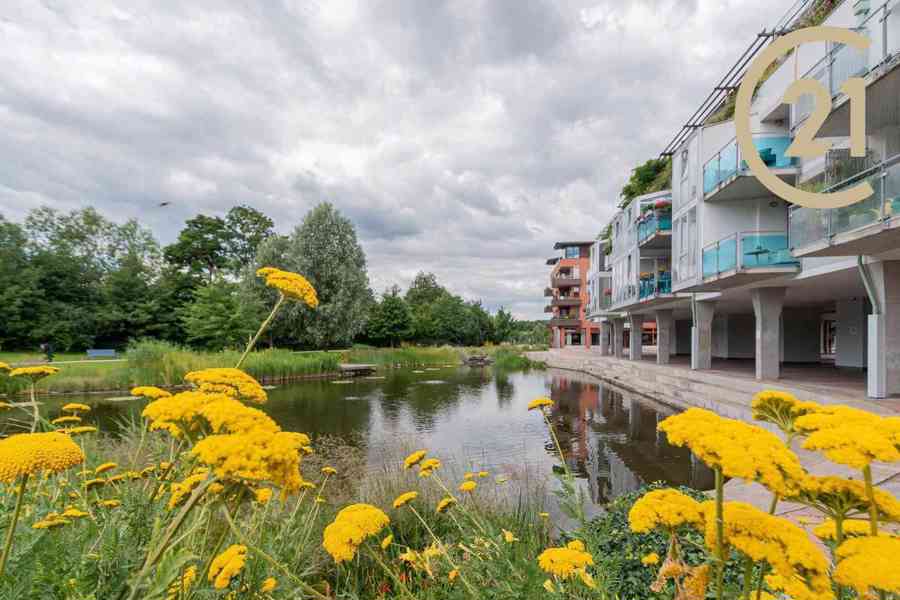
569	297
727	270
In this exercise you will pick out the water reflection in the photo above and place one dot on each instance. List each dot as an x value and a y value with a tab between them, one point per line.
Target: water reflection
477	418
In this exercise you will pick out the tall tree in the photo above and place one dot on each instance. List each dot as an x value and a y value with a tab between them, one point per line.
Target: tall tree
247	229
504	326
390	321
202	246
216	319
424	289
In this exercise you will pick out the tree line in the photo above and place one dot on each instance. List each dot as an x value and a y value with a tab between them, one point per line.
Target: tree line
79	280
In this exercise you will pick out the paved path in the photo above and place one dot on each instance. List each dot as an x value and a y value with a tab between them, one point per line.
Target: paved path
730	394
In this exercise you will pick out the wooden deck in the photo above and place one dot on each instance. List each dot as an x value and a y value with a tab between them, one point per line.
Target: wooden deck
353	370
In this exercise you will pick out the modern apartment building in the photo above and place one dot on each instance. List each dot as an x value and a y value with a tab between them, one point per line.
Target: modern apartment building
726	269
569	297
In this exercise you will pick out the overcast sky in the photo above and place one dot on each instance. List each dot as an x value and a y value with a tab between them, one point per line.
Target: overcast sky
462	138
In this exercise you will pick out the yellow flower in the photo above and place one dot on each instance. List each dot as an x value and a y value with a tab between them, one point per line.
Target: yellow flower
387	541
540	403
33	453
350	527
181	490
183	584
73	513
799	567
650	559
263	495
35	374
586	578
76	407
149	391
469	475
696	582
103	468
228	381
850	436
827	530
91	483
739	449
509	537
5	367
66	419
548	585
667	508
869	562
255	457
329	471
445	504
453	574
428	466
839	497
292	285
268	585
226	565
405	498
482	474
109	503
467	486
78	430
414	459
780	409
563	562
50	522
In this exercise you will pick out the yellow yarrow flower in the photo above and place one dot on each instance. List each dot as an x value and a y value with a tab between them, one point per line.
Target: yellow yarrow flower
405	498
291	285
548	585
780	409
109	503
667	508
226	565
263	495
428	466
181	490
453	574
564	562
540	403
866	563
76	407
350	527
387	541
445	504
33	453
329	471
5	368
414	459
149	391
740	450
839	497
35	374
183	584
229	381
255	457
79	430
50	522
468	486
66	419
73	513
268	585
827	530
650	559
850	436
103	468
508	536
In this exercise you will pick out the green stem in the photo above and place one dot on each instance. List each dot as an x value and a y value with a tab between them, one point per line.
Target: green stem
720	533
839	539
12	525
262	328
36	414
870	494
762	570
748	576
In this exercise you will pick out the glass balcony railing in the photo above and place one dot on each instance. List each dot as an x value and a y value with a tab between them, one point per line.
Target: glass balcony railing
747	250
808	226
660	283
653	224
727	162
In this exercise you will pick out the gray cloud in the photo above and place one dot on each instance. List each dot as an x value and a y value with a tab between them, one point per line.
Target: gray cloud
463	138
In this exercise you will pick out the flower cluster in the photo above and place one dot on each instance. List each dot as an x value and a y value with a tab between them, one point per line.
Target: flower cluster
350	528
231	382
869	562
34	373
799	567
292	285
565	562
781	409
226	565
839	497
850	436
540	403
149	391
664	508
255	457
739	449
32	453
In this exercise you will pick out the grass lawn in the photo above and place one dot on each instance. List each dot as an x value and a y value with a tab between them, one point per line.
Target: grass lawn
16	358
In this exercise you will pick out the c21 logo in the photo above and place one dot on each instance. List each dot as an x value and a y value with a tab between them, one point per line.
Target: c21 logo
805	145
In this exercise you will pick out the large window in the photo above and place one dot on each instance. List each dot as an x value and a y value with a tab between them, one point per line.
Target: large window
684	246
572	252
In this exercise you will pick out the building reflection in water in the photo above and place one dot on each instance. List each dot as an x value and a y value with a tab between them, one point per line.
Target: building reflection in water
610	439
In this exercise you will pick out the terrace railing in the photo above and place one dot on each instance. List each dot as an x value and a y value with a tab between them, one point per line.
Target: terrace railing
747	250
653	225
728	163
807	226
659	283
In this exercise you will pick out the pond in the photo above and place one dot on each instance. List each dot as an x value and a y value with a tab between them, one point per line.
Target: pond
477	418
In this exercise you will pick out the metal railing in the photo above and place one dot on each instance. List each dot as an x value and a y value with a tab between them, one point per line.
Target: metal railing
807	226
747	250
653	225
727	163
841	62
659	283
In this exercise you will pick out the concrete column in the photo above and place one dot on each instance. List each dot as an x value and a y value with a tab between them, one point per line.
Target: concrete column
767	305
618	335
701	335
884	331
665	334
636	335
605	337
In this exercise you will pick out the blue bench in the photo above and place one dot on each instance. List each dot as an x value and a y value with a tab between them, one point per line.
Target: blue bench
101	353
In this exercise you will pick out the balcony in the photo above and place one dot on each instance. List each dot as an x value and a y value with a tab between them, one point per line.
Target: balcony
565	282
564	322
870	227
655	231
573	301
746	257
727	177
548	309
548	292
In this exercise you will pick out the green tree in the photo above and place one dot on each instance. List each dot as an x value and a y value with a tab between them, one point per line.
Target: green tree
19	294
216	319
247	229
390	321
424	289
644	176
504	326
202	246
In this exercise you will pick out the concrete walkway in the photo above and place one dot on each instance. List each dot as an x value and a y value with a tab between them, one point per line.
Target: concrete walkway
728	390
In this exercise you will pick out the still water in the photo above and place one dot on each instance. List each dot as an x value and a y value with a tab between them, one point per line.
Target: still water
477	419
